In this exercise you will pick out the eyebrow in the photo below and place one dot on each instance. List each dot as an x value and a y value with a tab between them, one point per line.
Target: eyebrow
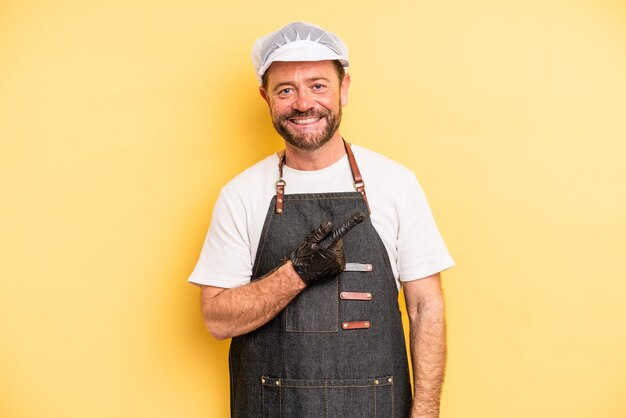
288	83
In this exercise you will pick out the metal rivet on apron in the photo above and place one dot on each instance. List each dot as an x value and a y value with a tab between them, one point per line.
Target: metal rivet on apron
343	295
262	380
369	267
376	382
390	380
279	210
280	200
344	325
280	191
278	383
369	295
367	324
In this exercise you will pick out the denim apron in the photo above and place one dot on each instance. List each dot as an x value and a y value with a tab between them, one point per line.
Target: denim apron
337	350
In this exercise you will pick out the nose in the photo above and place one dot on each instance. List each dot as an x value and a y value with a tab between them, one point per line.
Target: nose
303	101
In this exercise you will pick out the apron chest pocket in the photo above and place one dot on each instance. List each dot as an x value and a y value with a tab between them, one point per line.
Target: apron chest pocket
299	398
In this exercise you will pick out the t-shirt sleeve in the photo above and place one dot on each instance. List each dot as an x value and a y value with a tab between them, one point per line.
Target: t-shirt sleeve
421	250
225	257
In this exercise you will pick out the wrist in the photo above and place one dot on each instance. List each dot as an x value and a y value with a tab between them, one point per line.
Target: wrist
424	410
291	275
419	414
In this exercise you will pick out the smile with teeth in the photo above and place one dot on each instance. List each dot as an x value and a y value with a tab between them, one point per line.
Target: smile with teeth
305	121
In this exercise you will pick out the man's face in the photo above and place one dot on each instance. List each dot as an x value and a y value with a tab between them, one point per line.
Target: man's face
305	100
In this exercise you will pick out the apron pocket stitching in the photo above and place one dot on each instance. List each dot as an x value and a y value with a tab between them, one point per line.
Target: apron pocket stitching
375	401
326	399
282	393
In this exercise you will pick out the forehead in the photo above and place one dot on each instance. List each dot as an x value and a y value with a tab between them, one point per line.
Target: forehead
286	72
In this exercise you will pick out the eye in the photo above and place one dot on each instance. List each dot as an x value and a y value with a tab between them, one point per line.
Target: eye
285	91
318	86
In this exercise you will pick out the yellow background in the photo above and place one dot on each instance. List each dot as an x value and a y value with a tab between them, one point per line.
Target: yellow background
121	120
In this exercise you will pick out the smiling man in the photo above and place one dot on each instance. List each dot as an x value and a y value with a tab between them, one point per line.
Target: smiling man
312	307
302	124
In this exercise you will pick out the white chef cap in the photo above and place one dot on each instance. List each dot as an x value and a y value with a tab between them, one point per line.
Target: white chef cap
298	41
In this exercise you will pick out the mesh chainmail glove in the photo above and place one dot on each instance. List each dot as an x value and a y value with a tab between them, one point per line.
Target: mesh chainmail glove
321	256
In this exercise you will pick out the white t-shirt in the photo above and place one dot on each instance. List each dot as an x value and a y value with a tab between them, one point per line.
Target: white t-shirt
400	214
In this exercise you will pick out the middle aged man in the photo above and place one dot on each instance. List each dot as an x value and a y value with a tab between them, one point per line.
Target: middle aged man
313	310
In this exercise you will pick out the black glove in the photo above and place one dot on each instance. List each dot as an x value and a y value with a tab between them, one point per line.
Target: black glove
321	255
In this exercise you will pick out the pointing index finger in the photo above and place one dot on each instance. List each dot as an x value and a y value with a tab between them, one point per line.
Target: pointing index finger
343	229
320	233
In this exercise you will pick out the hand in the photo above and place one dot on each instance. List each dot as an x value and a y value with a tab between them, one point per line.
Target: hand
321	256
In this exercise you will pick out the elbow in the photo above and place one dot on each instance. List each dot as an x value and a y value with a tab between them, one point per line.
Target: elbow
431	308
214	322
218	334
217	330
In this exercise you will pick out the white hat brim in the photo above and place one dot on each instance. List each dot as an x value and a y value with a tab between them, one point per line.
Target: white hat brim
302	50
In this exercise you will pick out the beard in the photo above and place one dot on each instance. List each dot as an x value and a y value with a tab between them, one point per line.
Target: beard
309	141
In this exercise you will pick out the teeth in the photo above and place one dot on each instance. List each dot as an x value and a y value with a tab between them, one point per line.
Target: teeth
305	121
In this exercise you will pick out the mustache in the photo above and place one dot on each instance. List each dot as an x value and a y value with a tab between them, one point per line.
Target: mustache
306	114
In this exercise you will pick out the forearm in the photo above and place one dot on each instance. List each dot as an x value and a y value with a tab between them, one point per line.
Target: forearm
428	353
231	312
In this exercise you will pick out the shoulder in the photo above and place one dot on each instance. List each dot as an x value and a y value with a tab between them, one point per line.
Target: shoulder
393	190
254	179
248	191
377	168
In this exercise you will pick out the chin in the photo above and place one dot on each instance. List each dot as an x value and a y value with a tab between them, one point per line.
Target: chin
306	144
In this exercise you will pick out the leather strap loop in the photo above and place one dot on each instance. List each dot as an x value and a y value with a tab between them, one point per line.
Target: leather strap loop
356	325
355	296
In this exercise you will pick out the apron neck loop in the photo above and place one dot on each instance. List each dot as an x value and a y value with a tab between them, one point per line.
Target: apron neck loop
359	184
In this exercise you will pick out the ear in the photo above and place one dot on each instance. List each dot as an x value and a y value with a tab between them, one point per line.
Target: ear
345	86
263	94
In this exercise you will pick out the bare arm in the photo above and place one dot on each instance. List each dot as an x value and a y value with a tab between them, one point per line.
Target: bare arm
424	302
231	312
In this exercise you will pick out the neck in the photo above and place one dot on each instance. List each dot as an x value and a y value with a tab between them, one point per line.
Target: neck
325	156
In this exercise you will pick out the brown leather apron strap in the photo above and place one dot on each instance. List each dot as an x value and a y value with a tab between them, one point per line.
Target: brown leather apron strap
280	184
359	184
